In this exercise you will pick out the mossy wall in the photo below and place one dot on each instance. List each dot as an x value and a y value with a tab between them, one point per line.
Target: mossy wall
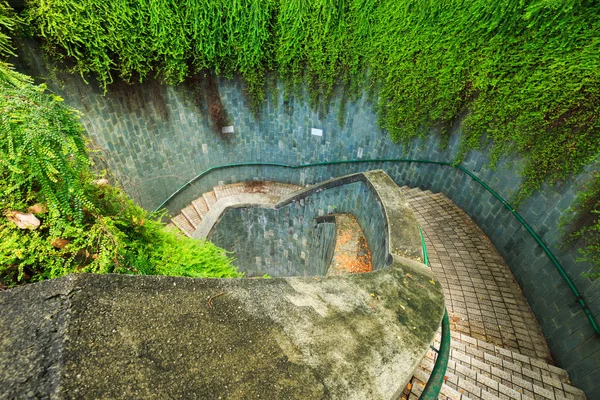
155	138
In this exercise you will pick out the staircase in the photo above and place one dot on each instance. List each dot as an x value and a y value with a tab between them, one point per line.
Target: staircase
497	348
193	218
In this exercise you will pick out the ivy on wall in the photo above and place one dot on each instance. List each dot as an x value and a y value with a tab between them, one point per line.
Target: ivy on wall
520	75
523	75
582	224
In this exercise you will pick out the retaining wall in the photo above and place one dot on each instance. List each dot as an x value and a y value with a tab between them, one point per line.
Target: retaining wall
156	138
282	241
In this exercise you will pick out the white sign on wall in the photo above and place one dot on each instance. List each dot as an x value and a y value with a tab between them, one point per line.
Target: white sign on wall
316	132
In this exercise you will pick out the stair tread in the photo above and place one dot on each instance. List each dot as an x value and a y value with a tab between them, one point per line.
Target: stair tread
473	346
210	198
492	383
503	368
183	224
266	187
200	206
228	190
192	215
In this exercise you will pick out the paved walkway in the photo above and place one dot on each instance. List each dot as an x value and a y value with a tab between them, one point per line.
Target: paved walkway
483	298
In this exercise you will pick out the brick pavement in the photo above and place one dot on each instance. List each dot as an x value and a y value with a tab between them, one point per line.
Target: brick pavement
483	298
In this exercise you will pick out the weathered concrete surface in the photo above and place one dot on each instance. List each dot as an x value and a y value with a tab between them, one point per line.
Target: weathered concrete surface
403	228
113	336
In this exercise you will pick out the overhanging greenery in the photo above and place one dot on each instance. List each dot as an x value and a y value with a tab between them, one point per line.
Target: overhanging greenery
521	75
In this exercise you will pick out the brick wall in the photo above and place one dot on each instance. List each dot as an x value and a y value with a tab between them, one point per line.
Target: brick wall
283	241
155	138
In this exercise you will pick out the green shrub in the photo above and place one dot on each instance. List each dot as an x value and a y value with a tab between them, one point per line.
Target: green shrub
86	225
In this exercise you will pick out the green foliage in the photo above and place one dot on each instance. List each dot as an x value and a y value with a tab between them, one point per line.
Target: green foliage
41	147
582	223
8	21
85	226
521	75
524	74
166	37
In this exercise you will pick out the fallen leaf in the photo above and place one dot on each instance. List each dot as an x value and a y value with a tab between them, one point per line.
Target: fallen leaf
100	182
38	208
23	221
60	243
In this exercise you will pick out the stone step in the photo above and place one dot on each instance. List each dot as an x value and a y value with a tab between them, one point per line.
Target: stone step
192	215
200	206
183	224
283	189
471	387
228	190
487	352
507	372
417	385
417	193
210	199
264	187
481	384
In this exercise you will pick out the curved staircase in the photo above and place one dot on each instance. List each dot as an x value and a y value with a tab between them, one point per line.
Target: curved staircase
497	348
195	219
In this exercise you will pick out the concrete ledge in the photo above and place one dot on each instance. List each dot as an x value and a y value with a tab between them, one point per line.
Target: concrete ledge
401	239
357	336
112	336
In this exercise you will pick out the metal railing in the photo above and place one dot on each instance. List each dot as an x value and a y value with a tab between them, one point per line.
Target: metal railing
436	379
578	295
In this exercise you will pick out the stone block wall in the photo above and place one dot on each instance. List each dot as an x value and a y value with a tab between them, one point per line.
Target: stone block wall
155	138
283	241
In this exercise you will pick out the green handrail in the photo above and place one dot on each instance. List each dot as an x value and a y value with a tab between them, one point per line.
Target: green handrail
578	295
436	379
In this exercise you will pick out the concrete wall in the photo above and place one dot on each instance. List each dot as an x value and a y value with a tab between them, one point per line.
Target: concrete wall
155	138
284	241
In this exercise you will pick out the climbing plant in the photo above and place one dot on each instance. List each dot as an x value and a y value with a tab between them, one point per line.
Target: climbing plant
581	223
520	76
8	20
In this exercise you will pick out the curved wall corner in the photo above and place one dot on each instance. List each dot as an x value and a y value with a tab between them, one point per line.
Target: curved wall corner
156	138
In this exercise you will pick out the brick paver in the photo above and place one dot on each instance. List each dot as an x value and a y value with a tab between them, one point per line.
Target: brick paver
483	299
